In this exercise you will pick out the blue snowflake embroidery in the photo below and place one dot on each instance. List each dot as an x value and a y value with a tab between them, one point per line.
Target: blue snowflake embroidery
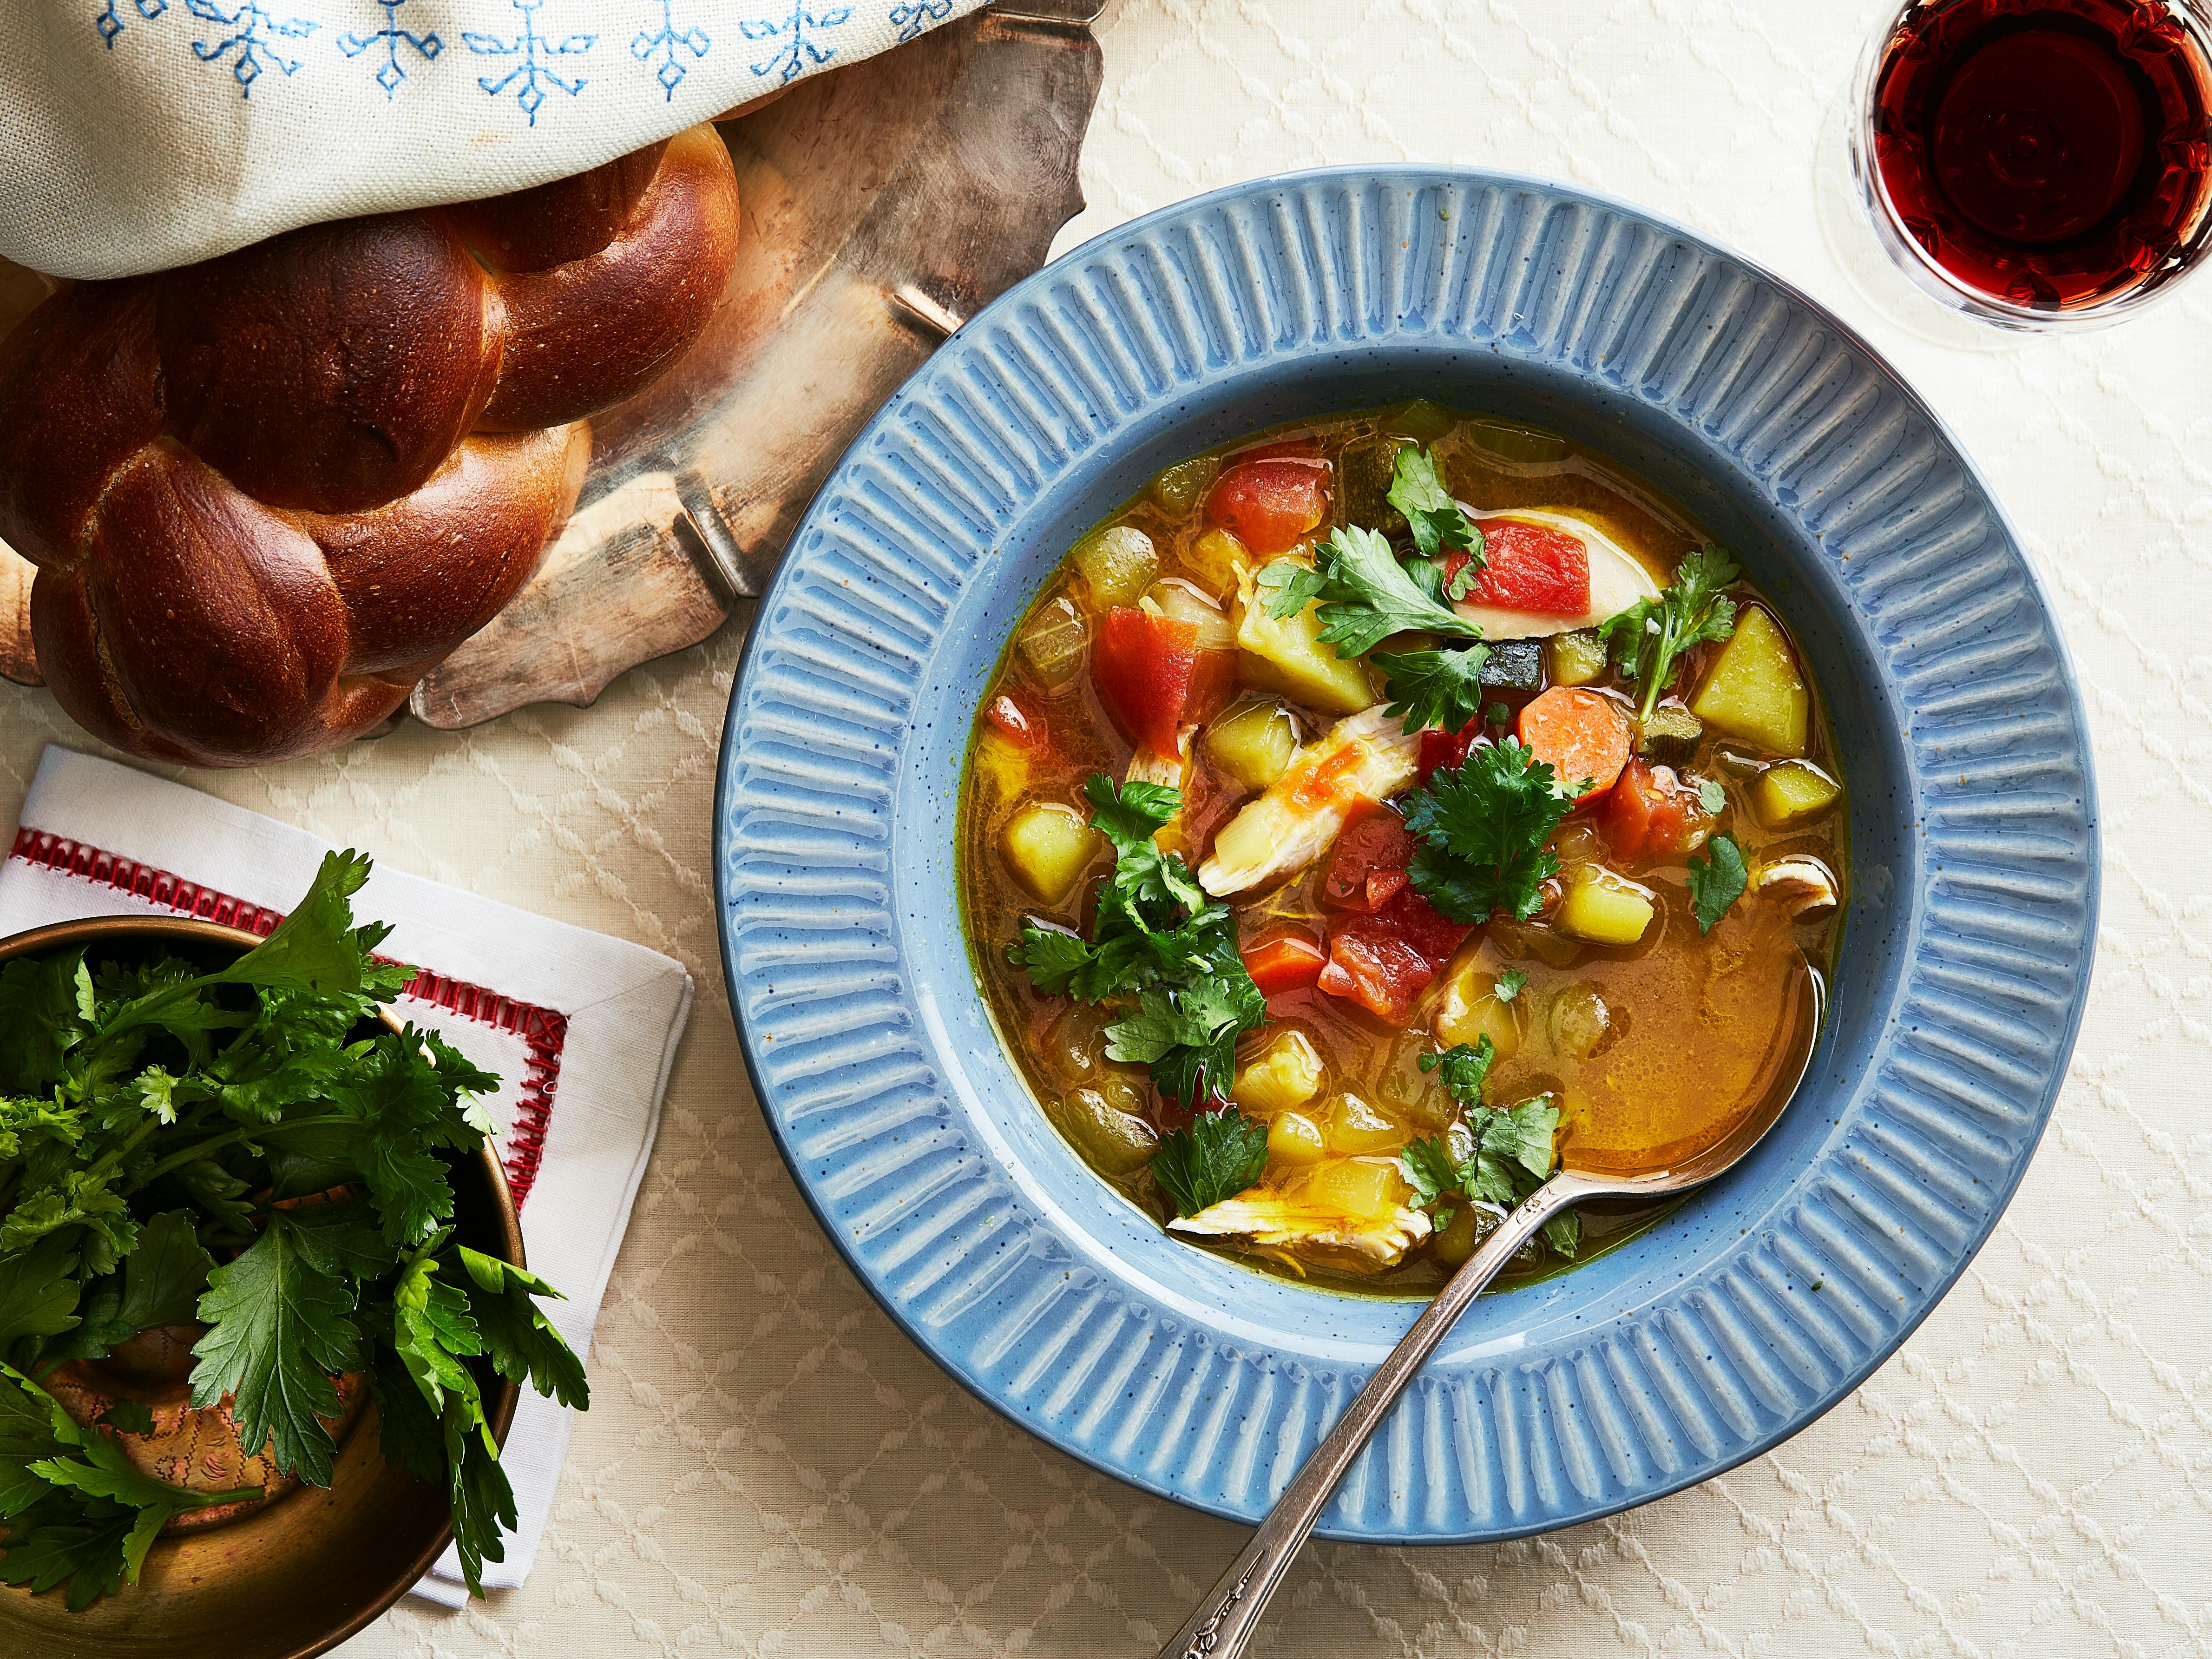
912	19
389	73
530	45
252	41
110	24
798	50
665	40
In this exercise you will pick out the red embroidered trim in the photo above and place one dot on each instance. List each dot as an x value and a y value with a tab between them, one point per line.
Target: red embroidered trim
545	1033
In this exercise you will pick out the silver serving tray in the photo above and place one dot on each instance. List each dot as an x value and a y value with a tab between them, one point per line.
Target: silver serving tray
882	204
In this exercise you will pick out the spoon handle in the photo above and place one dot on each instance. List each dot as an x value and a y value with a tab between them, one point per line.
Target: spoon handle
1229	1614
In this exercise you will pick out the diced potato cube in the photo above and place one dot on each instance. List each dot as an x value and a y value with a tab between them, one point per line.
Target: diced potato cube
1295	1140
1574	658
1791	791
1469	1011
1354	1127
1359	1186
1176	490
1604	908
1253	740
1049	845
1286	654
1219	562
1111	1140
1117	564
1284	1074
1754	690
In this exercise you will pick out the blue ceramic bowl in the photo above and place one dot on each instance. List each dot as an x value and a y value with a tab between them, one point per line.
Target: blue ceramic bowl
1765	1299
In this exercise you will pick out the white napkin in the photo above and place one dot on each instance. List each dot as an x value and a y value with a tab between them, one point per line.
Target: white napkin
142	134
581	1028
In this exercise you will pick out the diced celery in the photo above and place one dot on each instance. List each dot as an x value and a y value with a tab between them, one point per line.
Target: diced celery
1117	564
1176	490
1574	658
1048	846
1604	908
1410	1092
1516	446
1253	740
1284	1074
1052	642
1286	654
1791	791
1754	690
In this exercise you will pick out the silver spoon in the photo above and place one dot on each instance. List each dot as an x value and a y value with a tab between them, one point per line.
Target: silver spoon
1225	1619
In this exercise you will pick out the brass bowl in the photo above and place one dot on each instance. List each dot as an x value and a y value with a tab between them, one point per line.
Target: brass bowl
300	1574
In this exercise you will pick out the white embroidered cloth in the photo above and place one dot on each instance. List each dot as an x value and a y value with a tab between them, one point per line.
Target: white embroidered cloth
581	1028
142	134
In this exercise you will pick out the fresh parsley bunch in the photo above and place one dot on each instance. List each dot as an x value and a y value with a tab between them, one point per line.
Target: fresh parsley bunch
1485	828
1511	1149
1159	945
218	1149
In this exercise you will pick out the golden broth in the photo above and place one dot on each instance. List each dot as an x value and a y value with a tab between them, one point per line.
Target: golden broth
1693	1026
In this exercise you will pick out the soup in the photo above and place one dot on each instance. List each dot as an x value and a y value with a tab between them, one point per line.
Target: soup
1367	816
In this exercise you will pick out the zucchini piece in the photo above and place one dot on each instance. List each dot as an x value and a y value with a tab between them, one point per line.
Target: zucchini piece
1516	445
1754	690
1421	420
1514	666
1113	1141
1574	658
1364	473
1791	791
1671	735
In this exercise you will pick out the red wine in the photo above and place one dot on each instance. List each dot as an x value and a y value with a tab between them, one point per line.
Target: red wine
2051	154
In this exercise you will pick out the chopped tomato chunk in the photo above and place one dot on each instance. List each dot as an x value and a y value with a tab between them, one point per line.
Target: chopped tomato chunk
1529	567
1152	677
1284	960
1383	960
1270	504
1368	865
1441	750
1584	735
1017	723
1651	814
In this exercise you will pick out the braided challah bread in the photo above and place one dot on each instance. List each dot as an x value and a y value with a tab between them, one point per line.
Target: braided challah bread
267	493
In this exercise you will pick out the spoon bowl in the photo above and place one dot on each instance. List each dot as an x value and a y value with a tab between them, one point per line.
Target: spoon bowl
1223	1622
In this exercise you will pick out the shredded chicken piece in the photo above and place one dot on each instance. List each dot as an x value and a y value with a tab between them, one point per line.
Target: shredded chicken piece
1364	756
1150	766
1322	1234
1804	885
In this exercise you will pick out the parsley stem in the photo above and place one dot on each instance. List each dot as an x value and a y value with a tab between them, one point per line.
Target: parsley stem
200	1148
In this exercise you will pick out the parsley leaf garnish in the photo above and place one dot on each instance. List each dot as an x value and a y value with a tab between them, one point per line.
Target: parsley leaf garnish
1712	797
1646	639
1716	881
1159	945
1432	688
1216	1157
1464	1069
1510	1154
1417	489
1510	983
1484	827
1366	594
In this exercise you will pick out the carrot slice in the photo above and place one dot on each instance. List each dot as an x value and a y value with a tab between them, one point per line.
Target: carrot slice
1584	735
1286	960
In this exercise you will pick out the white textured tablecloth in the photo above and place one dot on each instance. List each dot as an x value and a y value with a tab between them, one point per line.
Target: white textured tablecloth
770	1468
